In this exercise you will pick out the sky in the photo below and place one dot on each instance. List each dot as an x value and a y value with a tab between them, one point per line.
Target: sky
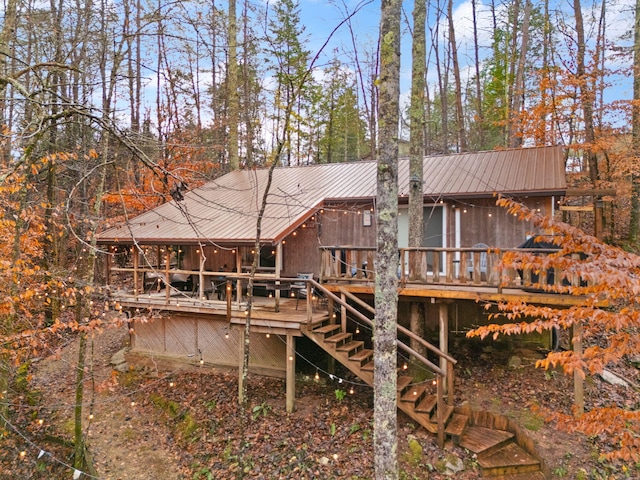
321	17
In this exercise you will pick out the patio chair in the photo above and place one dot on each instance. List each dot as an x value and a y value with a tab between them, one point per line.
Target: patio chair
300	288
483	260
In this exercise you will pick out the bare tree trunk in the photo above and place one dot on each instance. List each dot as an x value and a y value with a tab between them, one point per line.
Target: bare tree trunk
586	95
232	83
476	51
462	139
634	220
515	130
416	113
385	417
443	83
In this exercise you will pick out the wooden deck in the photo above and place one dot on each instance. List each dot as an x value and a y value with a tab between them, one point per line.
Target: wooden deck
292	313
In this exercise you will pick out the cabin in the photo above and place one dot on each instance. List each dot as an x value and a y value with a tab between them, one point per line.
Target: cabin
181	270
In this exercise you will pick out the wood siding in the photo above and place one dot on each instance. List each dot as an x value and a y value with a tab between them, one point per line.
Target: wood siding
189	338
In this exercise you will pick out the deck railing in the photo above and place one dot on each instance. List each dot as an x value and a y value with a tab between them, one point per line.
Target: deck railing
444	372
433	266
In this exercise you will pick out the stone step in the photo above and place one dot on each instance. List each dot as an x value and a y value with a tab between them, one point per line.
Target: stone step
509	460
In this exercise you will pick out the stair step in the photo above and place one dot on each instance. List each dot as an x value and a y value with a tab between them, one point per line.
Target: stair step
403	382
351	347
319	322
448	411
509	460
456	427
327	330
482	440
362	356
522	476
414	394
338	339
367	367
427	404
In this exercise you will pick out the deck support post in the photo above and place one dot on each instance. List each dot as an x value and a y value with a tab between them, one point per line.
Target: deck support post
136	261
291	373
443	320
167	278
201	275
278	272
343	313
578	381
240	365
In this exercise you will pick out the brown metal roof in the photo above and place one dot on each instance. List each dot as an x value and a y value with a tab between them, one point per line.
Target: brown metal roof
225	210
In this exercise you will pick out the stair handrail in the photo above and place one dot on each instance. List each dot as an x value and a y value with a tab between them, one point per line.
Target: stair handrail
401	329
436	369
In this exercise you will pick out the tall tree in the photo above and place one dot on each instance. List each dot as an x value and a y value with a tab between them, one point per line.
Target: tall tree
289	58
634	220
462	137
587	98
232	85
416	153
386	282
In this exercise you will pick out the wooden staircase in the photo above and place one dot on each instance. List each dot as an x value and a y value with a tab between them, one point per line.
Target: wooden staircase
497	453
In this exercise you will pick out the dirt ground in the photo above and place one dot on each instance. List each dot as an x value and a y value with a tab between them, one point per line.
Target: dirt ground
151	423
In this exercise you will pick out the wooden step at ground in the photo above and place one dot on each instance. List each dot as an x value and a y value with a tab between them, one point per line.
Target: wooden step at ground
482	440
456	427
350	347
339	339
414	394
522	476
427	404
327	330
367	367
509	460
403	383
362	356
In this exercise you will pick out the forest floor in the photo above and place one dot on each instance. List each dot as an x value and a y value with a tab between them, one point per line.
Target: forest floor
152	423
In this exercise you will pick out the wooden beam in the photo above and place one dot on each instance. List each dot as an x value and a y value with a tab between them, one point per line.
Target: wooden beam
443	322
576	208
590	192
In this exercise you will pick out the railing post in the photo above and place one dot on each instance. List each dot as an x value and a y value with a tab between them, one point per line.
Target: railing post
136	261
450	383
436	267
167	278
309	302
229	294
440	410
